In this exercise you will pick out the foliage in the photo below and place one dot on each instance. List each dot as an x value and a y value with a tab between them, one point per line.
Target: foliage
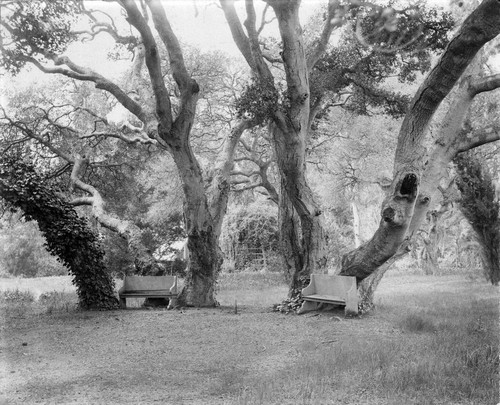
158	203
350	68
67	235
22	252
481	208
291	304
249	230
35	28
258	101
117	259
176	267
250	280
17	296
364	74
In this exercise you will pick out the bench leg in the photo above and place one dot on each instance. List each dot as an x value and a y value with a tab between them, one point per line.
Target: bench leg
172	303
123	303
307	306
351	308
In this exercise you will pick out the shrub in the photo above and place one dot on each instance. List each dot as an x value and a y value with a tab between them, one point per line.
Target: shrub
418	324
17	296
481	209
250	237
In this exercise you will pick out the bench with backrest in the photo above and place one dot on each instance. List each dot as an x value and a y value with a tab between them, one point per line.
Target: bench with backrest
149	287
328	289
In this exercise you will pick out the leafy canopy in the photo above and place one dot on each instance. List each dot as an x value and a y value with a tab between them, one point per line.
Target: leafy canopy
35	28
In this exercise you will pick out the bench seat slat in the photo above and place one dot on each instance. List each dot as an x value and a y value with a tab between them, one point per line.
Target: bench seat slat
324	298
146	291
138	293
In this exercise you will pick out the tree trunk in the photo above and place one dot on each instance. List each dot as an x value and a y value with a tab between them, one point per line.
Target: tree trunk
204	254
366	289
450	142
306	249
399	207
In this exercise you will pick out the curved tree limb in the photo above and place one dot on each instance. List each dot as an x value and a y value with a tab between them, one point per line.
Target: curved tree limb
321	43
144	261
85	74
479	137
220	187
400	210
479	28
162	25
163	105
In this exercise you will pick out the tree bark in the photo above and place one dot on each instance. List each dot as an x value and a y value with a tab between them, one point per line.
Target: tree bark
355	224
290	245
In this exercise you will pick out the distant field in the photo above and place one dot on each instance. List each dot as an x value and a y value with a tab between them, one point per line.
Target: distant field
430	341
39	285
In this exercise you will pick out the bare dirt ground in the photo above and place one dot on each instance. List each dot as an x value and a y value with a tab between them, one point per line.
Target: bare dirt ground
188	356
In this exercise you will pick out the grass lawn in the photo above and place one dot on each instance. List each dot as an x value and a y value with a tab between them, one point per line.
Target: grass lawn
432	340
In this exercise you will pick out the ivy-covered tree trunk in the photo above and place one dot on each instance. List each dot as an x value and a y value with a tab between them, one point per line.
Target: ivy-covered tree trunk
67	235
480	207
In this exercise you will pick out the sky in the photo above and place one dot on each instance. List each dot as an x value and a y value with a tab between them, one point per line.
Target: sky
199	23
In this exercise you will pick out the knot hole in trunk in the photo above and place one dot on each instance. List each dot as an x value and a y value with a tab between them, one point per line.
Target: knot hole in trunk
409	185
388	214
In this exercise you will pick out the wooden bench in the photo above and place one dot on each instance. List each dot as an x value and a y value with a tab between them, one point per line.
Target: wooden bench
149	287
327	289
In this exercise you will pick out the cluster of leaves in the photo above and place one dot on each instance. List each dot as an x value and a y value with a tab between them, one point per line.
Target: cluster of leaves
291	304
294	300
481	209
35	28
362	72
259	101
417	26
366	95
67	235
247	229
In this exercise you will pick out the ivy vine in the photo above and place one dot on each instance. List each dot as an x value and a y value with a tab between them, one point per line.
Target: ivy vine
67	235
